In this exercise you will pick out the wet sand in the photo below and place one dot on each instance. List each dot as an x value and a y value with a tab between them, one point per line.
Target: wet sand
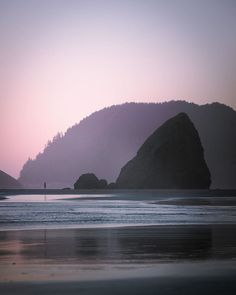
146	286
124	245
207	201
131	260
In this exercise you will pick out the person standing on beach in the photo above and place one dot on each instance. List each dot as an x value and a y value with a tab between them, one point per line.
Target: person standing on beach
45	186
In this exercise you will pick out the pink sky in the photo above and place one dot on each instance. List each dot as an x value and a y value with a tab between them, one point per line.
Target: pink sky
62	60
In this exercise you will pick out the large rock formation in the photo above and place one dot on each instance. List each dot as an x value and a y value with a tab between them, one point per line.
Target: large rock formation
106	140
172	157
90	181
8	182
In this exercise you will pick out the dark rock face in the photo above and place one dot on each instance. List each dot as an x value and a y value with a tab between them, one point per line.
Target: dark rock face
172	157
111	185
8	182
102	183
90	181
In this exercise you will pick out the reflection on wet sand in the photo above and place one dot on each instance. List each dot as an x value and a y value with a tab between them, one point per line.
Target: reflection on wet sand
119	245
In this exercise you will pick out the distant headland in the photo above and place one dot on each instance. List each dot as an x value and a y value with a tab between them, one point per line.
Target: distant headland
105	141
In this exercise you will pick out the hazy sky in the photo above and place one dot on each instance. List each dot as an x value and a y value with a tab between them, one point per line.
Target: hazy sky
60	60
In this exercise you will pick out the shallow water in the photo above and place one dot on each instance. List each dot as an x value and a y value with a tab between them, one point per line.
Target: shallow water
73	211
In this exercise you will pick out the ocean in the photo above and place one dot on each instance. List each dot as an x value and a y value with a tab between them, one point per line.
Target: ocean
116	210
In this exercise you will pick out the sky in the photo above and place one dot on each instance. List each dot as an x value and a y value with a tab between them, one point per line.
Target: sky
61	60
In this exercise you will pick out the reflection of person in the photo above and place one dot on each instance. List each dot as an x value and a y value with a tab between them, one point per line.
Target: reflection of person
45	185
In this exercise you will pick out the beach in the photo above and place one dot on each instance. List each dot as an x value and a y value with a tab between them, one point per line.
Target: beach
140	260
150	286
189	249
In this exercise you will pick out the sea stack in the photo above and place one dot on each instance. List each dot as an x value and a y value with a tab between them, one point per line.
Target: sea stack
90	181
171	158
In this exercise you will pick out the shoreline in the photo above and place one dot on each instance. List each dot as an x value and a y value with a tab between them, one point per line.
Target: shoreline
51	273
214	192
115	226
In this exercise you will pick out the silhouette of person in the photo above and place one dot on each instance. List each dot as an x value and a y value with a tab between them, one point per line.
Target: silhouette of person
45	185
